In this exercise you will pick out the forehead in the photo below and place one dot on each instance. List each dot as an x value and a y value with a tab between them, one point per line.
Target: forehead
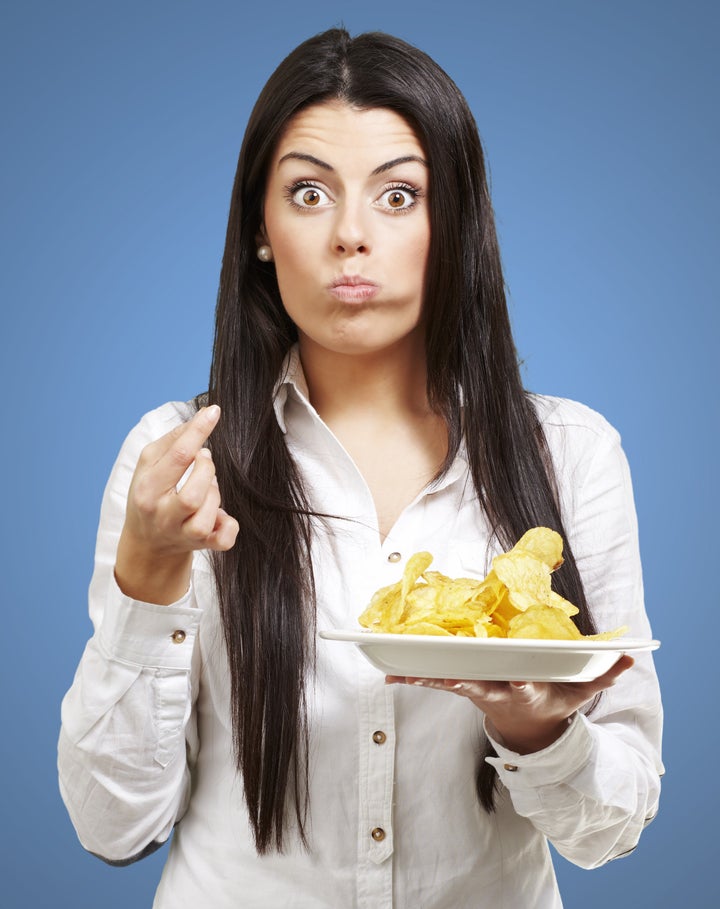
335	131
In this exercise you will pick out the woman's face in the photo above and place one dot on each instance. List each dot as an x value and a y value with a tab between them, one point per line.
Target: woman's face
346	215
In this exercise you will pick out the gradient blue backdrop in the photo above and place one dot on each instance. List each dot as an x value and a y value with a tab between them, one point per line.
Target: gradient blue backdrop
121	128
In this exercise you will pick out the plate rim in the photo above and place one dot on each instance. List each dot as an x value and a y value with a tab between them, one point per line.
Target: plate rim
367	637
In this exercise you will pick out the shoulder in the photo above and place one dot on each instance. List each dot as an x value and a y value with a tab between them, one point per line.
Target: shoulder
581	442
571	419
163	419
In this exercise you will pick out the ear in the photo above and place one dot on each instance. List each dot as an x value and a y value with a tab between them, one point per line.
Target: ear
261	237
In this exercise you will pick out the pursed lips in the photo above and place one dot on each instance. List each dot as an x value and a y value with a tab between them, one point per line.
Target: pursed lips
353	288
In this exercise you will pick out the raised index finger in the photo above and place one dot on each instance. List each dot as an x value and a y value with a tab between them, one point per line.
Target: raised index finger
185	442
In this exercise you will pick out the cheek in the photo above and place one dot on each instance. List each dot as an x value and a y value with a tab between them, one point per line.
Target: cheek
293	250
410	244
297	249
295	269
294	276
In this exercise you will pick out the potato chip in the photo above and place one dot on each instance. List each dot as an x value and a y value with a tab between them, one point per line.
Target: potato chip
504	612
414	568
544	622
514	600
382	604
608	635
544	544
561	603
426	628
525	576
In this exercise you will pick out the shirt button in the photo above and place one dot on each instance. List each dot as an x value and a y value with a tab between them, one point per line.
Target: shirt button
379	737
378	834
394	557
178	636
510	767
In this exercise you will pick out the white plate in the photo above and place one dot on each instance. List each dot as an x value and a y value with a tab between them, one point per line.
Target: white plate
491	659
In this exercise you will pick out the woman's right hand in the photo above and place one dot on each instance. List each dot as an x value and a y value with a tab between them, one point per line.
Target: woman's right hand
164	525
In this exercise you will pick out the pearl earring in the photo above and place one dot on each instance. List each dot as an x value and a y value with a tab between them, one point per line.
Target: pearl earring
264	253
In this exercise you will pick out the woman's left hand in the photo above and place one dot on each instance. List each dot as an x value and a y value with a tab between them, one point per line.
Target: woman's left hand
526	716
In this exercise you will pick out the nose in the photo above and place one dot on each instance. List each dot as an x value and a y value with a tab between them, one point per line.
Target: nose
351	232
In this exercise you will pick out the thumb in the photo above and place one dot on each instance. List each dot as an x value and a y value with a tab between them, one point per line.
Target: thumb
608	679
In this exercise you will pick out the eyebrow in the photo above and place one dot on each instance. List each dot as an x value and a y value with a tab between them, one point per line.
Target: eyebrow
388	165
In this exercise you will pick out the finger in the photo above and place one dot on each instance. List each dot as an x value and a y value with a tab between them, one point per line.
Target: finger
200	524
225	532
477	690
464	687
199	477
155	450
608	679
184	446
414	680
577	694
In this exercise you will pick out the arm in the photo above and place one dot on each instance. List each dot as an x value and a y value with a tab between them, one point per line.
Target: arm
588	783
593	790
128	728
127	721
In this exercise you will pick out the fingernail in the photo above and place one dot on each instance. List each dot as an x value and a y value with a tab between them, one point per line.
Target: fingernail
457	687
205	453
212	411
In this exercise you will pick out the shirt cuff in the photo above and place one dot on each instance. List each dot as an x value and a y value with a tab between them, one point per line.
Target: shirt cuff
551	766
148	635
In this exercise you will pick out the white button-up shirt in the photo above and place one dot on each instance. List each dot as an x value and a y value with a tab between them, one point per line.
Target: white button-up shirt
146	741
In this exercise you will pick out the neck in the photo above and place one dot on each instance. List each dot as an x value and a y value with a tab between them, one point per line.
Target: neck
376	406
391	381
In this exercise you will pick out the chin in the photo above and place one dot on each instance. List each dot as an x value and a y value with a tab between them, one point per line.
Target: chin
363	345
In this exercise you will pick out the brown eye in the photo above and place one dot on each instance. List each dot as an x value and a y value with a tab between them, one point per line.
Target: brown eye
398	198
304	196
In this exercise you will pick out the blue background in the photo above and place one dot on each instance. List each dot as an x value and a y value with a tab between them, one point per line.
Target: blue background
122	124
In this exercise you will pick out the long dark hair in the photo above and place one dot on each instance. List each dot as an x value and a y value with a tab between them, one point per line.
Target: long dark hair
265	583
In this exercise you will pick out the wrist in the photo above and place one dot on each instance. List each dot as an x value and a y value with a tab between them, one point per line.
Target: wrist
528	738
152	577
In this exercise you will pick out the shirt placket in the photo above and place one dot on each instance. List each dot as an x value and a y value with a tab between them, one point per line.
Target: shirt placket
377	767
376	823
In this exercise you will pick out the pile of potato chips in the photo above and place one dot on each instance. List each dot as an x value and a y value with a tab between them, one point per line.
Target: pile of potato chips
515	600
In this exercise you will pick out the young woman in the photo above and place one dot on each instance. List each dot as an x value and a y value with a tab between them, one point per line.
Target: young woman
364	403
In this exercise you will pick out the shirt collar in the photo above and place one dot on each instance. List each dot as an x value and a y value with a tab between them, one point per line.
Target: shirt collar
291	377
